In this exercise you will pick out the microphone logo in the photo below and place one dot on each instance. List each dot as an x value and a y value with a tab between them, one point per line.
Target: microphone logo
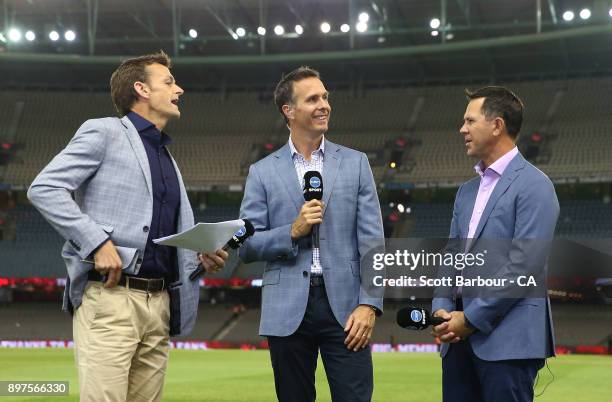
315	182
240	232
416	316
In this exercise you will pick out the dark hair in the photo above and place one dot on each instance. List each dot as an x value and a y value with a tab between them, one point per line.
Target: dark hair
283	94
500	102
130	71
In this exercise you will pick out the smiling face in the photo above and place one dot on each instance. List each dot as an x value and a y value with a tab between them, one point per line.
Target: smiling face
479	133
309	112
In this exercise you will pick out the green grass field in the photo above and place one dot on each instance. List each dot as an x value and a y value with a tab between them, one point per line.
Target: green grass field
235	375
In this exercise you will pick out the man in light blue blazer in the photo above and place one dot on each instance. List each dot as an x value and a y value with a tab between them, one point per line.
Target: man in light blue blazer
493	347
128	294
313	297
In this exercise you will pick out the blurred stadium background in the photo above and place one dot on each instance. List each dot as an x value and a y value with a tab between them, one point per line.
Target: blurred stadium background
396	70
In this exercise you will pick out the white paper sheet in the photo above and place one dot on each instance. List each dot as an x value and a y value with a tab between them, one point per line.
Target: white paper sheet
203	237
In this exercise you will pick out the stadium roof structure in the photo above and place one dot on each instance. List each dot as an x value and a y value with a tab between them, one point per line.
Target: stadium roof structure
214	40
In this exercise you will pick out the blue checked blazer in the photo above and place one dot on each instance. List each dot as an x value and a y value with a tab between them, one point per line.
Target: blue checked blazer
351	222
522	207
105	167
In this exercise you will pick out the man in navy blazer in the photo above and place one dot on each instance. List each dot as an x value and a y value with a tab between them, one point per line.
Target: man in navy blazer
312	295
493	347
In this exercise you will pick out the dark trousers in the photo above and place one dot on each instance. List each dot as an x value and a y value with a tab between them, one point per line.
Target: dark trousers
294	358
466	378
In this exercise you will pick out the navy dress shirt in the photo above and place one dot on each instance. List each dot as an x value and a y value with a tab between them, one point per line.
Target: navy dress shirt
159	261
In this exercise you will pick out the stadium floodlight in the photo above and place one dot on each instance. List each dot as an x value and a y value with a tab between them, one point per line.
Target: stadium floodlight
240	31
364	17
450	36
435	33
568	16
30	36
69	35
585	14
434	23
54	36
279	30
345	28
193	33
401	208
14	35
610	13
325	27
362	26
299	29
261	31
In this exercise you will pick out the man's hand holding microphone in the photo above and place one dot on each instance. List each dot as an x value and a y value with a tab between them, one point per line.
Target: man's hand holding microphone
310	214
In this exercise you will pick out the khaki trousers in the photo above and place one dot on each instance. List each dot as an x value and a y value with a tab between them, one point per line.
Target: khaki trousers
121	343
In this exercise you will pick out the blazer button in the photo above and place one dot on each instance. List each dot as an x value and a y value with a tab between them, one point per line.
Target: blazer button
145	229
305	274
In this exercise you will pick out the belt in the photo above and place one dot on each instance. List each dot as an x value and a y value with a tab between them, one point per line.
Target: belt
132	282
316	281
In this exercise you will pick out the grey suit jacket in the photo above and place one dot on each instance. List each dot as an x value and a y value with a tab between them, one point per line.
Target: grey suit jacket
523	209
105	168
352	225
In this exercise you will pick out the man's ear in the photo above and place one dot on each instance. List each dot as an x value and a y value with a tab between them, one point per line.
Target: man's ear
141	89
500	126
288	111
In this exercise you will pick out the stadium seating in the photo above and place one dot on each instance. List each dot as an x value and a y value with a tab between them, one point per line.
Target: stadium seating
579	218
214	140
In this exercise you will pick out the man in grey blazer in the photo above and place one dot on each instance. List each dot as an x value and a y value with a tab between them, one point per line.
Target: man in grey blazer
494	346
128	295
312	295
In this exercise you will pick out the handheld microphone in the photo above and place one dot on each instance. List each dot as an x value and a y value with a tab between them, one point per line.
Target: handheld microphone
235	242
313	190
416	318
313	185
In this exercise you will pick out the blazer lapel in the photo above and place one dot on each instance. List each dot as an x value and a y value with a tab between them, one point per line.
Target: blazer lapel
511	173
286	171
139	151
470	200
331	163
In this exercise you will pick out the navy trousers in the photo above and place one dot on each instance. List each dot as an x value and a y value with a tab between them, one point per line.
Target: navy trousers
466	378
294	358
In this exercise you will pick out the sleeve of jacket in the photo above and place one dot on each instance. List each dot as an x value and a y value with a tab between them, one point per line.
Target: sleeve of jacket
51	191
441	299
537	210
266	244
370	233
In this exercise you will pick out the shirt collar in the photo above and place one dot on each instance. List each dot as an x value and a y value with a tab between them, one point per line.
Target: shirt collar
294	150
499	166
148	130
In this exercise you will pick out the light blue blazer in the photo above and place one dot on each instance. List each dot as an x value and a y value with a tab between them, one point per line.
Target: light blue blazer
105	167
352	223
523	209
